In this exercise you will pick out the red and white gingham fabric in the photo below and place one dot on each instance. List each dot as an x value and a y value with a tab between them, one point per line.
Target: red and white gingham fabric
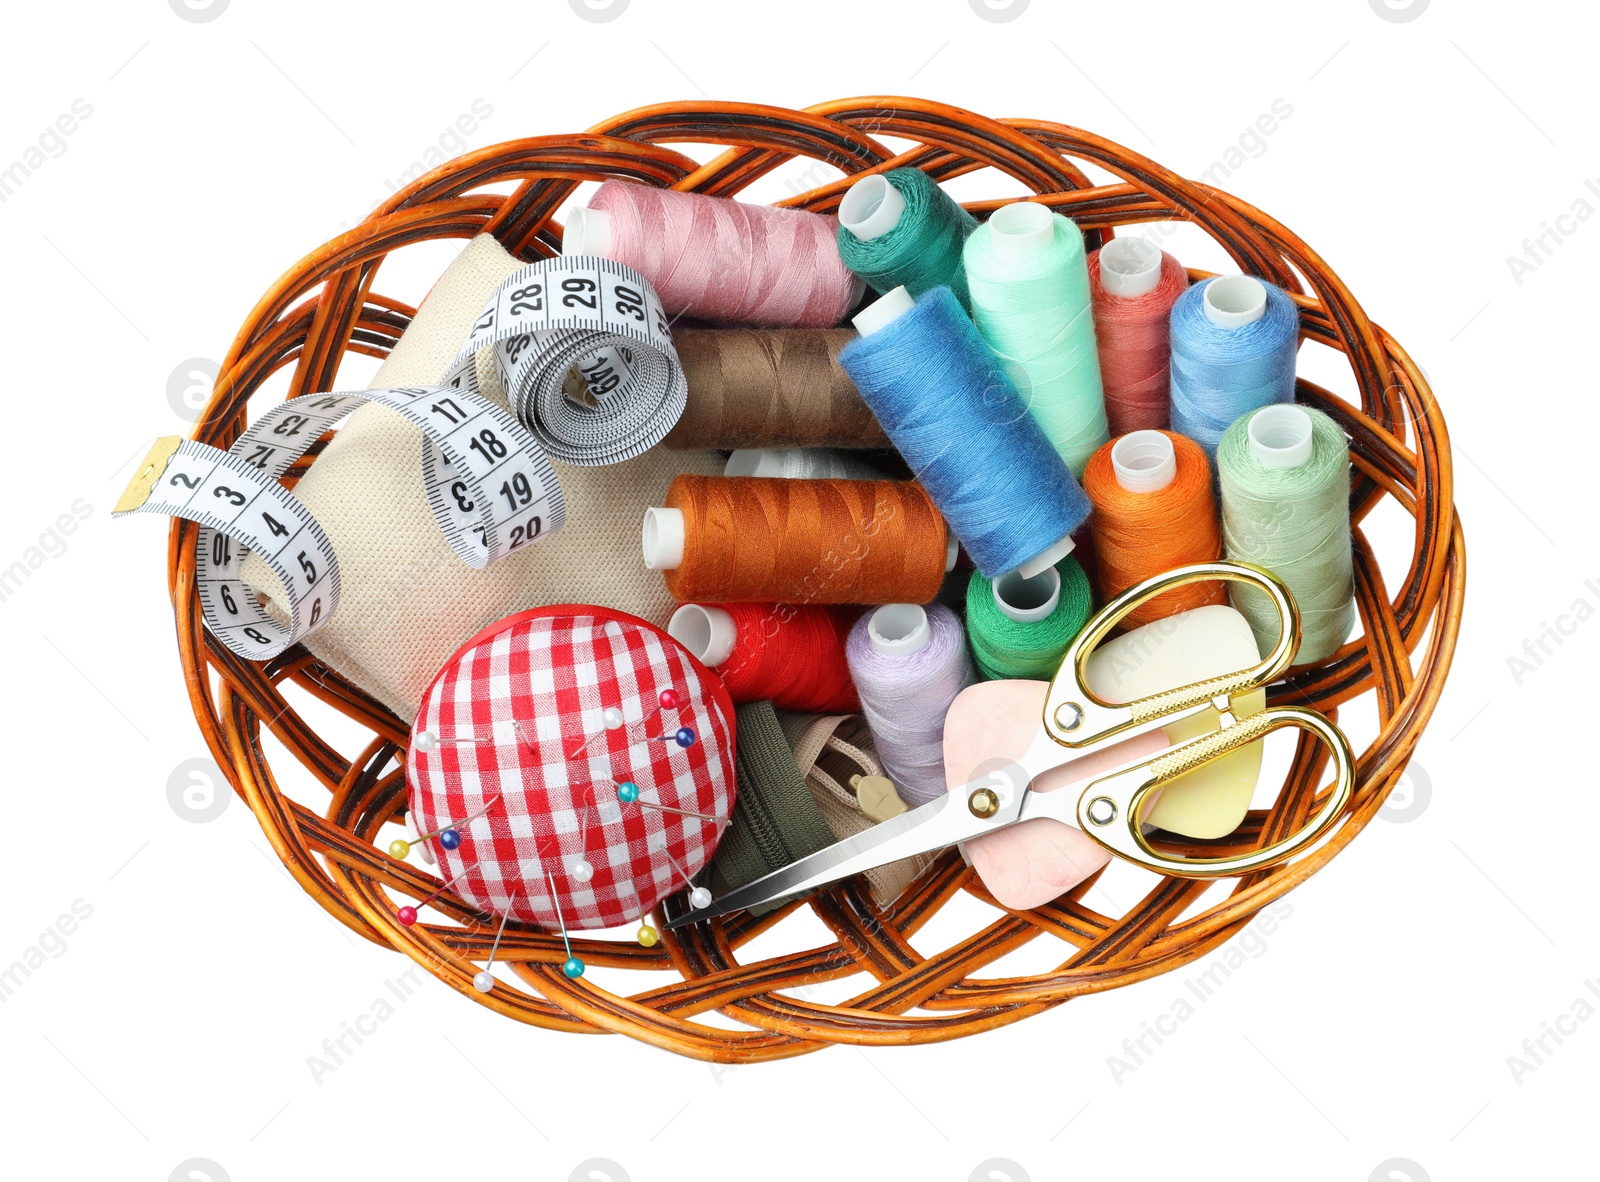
555	671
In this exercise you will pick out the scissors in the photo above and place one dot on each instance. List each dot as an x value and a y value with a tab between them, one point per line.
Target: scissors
1075	724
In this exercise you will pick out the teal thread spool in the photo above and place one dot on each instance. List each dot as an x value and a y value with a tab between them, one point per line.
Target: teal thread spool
900	229
1019	627
1284	473
1031	302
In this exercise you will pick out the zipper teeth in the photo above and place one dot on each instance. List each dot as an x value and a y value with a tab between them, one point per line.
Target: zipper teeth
766	833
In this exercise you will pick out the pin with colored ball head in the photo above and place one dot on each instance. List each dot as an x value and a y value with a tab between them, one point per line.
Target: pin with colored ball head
573	967
667	699
628	793
483	980
448	835
610	719
428	742
698	895
407	915
647	935
684	737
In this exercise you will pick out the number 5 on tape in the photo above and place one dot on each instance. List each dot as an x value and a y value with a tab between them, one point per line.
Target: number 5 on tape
490	486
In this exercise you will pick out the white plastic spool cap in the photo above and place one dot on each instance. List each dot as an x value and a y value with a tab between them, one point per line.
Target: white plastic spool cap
1234	301
1129	267
707	632
588	231
899	629
883	311
1045	559
952	549
1022	229
1280	436
663	538
871	208
1027	601
1144	461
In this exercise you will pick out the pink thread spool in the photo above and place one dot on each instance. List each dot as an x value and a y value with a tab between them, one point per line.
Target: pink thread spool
719	259
1133	284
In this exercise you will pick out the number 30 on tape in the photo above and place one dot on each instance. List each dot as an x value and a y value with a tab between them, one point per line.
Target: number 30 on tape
490	486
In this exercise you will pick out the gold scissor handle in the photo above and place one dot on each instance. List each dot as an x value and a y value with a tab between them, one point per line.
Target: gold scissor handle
1109	808
1074	717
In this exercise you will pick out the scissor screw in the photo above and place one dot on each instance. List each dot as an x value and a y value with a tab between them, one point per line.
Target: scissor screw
984	802
1069	715
1102	810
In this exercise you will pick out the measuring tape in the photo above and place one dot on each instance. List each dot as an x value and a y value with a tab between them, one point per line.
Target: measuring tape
602	319
490	486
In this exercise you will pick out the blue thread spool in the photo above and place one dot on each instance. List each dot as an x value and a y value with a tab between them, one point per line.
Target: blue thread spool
959	422
1234	340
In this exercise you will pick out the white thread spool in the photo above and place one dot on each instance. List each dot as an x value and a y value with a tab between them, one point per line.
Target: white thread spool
1144	461
1281	436
1129	267
798	463
1234	301
709	633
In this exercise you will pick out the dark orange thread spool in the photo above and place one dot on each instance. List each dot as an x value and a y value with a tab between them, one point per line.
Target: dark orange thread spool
747	539
1142	533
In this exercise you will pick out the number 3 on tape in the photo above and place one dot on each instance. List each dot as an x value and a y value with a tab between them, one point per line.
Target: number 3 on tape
490	486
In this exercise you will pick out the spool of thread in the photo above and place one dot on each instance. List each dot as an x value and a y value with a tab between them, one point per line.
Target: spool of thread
964	430
1134	284
719	259
900	229
1284	472
909	663
749	539
1234	340
799	463
792	656
1153	510
1020	627
1030	300
770	387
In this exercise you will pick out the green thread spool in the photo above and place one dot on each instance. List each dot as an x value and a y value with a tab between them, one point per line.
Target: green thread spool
1031	301
1284	472
1019	627
900	229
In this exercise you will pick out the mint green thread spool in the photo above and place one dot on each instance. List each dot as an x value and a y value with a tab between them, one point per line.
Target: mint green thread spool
1031	302
1019	627
1284	473
900	229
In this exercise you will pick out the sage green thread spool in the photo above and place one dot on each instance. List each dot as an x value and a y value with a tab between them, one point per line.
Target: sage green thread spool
1284	472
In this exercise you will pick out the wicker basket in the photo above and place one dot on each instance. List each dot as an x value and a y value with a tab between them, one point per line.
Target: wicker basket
324	306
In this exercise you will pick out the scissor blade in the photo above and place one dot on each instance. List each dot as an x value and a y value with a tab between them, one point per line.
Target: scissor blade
933	826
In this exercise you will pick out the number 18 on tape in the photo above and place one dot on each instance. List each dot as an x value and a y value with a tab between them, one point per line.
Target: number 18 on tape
490	486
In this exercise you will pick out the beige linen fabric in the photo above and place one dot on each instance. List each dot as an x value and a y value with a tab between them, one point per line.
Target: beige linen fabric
407	602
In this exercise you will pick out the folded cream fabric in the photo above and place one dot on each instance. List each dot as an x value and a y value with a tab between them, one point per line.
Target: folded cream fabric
407	602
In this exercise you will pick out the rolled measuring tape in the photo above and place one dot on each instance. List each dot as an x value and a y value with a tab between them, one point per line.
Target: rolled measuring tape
598	318
490	486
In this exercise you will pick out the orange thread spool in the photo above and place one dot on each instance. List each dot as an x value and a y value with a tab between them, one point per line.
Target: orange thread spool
749	539
1142	533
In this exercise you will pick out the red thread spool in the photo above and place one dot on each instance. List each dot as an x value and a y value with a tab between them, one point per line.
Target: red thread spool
1153	510
750	539
1133	285
789	655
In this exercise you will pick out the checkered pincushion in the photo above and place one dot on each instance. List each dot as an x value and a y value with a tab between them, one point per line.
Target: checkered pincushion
519	714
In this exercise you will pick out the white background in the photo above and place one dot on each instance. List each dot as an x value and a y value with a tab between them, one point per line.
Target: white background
1377	1019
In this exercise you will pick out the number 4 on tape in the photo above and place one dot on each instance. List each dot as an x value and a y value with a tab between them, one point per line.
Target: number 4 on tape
490	486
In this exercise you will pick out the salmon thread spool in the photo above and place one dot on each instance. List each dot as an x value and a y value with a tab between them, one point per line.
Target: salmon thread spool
749	539
1133	284
1153	510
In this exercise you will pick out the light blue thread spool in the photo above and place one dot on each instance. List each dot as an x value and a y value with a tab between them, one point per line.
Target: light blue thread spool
1234	340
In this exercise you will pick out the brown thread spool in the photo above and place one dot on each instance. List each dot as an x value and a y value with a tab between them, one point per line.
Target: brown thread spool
747	539
1153	510
780	387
